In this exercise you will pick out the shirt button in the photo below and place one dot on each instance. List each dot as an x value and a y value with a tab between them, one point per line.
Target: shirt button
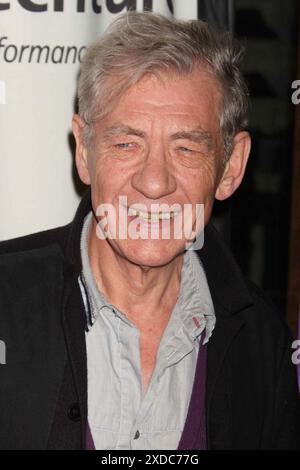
74	412
137	435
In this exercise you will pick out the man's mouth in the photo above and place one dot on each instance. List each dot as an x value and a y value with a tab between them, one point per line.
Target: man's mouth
152	216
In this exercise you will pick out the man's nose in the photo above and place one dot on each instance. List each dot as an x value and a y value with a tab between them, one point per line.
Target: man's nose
154	178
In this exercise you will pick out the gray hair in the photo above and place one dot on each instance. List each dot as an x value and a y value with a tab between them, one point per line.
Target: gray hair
139	43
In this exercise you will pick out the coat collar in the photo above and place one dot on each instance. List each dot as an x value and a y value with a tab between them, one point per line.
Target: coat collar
225	279
73	242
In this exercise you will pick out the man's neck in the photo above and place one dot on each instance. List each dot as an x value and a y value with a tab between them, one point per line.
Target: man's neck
141	292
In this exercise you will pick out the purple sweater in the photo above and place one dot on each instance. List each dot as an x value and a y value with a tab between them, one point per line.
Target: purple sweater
194	432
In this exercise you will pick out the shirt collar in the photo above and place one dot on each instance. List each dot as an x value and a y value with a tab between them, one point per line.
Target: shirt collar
194	310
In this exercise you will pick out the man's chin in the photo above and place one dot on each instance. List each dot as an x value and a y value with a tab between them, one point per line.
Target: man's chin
150	253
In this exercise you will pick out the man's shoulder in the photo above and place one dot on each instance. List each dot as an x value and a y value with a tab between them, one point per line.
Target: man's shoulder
36	241
33	259
265	316
234	290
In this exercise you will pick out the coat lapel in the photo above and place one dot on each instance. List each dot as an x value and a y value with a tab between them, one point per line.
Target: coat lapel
225	331
74	329
230	296
74	318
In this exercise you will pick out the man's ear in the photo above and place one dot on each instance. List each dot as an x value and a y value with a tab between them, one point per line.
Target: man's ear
81	154
235	167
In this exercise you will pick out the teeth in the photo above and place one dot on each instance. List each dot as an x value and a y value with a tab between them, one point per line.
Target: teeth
150	216
143	215
132	211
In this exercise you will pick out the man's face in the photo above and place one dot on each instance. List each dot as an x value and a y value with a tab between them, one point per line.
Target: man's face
161	144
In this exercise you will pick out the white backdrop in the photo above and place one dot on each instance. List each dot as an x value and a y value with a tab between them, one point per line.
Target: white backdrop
39	61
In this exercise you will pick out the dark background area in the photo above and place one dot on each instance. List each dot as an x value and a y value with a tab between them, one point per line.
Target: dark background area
260	209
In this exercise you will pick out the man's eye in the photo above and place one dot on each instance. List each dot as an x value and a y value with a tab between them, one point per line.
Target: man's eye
125	145
185	150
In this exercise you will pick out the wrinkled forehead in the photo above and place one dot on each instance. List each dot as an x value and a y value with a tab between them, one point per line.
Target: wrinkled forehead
164	87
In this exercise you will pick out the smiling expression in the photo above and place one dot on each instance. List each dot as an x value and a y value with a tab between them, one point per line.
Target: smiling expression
161	144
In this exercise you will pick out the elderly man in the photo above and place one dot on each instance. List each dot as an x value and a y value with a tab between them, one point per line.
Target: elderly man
119	333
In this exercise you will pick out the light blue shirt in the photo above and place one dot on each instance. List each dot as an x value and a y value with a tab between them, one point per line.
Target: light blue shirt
120	415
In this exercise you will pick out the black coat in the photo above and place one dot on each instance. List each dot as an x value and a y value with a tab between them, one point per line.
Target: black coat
252	400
